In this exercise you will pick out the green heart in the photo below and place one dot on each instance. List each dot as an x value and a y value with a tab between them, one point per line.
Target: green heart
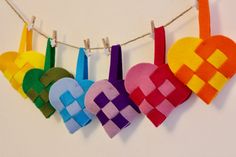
37	82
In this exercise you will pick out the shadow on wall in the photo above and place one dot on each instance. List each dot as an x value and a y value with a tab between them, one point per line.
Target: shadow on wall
221	98
126	133
171	122
88	130
57	117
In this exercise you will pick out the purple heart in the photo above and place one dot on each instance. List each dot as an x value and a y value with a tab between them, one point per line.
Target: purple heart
108	99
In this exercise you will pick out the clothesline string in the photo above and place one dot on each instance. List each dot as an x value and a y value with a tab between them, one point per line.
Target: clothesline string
93	48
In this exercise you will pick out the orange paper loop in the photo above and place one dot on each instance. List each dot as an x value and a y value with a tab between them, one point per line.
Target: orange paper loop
204	19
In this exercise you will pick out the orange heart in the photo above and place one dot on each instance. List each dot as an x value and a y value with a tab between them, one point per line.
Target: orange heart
204	64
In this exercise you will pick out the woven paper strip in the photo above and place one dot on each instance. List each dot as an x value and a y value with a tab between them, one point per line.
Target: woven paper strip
153	87
37	82
14	65
204	64
67	96
108	99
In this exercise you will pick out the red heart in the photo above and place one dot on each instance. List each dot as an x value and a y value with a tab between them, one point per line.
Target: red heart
153	87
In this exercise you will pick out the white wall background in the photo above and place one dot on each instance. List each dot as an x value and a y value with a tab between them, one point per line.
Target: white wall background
193	129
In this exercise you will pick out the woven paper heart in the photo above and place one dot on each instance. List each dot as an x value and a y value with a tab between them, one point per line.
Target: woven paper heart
14	65
37	82
204	65
153	87
108	100
67	96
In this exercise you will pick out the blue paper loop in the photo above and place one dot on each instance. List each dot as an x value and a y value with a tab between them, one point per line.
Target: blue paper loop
82	66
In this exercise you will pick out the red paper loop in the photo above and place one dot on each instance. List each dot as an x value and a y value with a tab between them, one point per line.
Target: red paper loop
160	45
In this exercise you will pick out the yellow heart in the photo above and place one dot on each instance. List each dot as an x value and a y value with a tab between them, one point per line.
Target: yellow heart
14	64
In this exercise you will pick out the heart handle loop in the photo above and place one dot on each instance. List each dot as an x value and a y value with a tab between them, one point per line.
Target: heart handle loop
204	19
26	40
116	72
50	56
160	45
82	65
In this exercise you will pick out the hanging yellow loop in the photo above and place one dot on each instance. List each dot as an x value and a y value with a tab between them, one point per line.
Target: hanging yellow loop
14	65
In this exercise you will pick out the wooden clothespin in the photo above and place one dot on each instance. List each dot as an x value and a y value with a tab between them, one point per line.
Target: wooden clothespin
31	24
152	28
54	39
87	45
106	44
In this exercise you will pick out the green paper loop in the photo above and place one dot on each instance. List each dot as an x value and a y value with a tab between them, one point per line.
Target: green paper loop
50	56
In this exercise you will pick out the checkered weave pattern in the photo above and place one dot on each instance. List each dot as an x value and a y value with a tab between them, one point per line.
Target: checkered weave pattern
211	63
67	96
162	92
16	71
14	65
37	82
112	106
108	99
153	87
204	64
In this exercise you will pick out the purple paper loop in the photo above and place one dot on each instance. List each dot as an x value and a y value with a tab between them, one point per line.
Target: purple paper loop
116	72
